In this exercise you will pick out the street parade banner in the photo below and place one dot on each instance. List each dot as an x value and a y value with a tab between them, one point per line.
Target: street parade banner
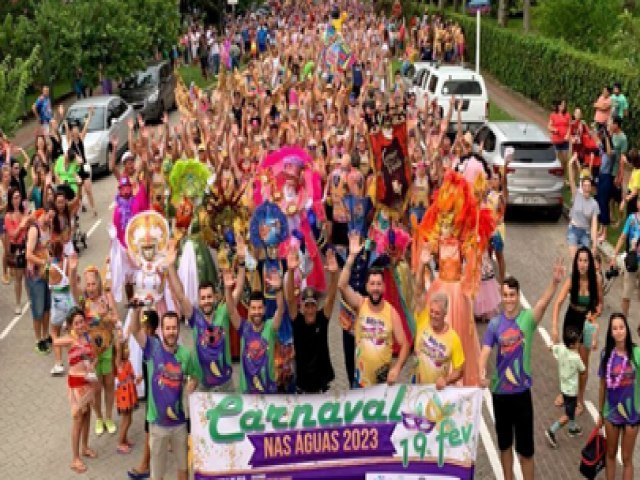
400	430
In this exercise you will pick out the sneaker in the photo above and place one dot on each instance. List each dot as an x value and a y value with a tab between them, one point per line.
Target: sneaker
41	347
551	437
575	432
111	427
49	340
57	370
46	346
99	427
18	310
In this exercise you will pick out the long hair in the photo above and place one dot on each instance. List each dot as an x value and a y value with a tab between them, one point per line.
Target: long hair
591	277
12	192
57	224
610	342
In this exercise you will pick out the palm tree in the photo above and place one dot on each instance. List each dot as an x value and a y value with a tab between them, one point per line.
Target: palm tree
502	13
526	7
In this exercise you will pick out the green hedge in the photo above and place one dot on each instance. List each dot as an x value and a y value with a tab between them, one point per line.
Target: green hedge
545	70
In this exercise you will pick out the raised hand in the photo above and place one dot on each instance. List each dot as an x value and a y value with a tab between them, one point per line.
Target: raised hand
228	279
332	262
61	110
274	280
131	124
172	253
355	243
293	259
425	254
241	248
114	142
559	270
73	262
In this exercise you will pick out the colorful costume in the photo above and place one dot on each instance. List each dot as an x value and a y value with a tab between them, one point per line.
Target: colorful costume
126	396
457	230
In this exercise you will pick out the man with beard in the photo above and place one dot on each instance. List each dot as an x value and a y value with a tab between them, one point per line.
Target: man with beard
210	324
377	324
168	366
258	335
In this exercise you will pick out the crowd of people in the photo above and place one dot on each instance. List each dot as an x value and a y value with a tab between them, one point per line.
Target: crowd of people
308	179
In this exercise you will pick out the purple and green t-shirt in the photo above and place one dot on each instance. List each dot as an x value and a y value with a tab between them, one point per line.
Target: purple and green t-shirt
622	402
257	367
514	339
166	372
212	362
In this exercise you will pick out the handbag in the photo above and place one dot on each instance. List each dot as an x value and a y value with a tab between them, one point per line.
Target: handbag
593	455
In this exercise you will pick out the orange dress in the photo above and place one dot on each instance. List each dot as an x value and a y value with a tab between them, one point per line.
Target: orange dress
126	395
460	314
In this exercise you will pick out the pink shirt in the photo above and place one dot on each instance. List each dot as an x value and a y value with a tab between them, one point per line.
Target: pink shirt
602	116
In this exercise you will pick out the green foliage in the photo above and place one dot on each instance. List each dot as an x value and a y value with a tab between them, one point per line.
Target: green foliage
623	44
582	23
545	69
15	78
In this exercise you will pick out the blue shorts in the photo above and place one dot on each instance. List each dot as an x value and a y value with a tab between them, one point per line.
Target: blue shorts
561	147
497	242
1	224
40	297
578	237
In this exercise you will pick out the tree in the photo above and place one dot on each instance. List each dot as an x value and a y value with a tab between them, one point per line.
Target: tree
442	4
15	77
503	13
582	23
526	10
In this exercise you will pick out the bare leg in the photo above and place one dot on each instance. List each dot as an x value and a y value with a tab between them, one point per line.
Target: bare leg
629	435
97	404
17	285
125	423
584	376
57	351
146	457
5	253
75	437
87	186
626	302
506	459
109	394
45	324
613	439
37	329
527	467
86	451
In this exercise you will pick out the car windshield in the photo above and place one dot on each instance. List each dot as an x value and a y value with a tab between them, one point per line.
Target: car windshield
531	152
462	87
144	79
78	116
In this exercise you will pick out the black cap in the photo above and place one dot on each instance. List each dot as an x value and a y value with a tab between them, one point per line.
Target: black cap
309	296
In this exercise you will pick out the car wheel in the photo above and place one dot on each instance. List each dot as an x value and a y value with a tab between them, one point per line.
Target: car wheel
555	213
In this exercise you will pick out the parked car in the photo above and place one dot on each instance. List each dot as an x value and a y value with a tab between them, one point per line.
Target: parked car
110	117
441	82
535	177
151	92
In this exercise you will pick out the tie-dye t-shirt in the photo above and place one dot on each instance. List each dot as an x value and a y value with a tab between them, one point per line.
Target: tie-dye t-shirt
621	403
211	347
166	372
257	365
514	339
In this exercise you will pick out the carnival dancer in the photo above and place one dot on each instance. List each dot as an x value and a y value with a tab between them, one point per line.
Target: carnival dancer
456	231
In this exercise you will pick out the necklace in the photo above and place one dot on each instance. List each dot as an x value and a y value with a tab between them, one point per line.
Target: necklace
613	383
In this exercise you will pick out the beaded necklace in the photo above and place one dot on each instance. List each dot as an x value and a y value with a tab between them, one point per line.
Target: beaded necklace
613	383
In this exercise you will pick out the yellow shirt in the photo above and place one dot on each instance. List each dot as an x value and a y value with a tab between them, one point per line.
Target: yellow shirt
374	344
634	180
437	353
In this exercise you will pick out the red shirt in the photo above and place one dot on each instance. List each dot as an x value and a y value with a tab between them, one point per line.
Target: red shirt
560	123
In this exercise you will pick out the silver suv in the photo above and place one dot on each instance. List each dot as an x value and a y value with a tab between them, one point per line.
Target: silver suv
536	176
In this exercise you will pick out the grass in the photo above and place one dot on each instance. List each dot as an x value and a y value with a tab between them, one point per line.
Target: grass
190	73
496	114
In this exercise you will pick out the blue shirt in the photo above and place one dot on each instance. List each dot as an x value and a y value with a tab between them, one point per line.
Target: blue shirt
43	107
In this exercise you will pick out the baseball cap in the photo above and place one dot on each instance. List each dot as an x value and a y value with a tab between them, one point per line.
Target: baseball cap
309	296
127	156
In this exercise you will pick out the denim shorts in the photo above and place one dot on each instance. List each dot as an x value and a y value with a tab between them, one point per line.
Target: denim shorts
40	297
561	147
578	237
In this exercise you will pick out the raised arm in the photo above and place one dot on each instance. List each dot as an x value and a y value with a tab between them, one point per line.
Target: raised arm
135	328
274	282
572	177
332	268
545	299
87	121
293	263
112	160
353	298
232	306
405	348
564	291
176	285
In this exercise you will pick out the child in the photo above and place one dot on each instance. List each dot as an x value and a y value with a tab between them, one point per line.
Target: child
126	395
570	365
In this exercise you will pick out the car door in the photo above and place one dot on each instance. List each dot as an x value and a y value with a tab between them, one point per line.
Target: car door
123	128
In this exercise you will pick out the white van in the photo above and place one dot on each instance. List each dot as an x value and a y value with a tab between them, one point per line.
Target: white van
441	82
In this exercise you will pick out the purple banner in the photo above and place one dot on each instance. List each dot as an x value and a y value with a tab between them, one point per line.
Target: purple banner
298	446
346	472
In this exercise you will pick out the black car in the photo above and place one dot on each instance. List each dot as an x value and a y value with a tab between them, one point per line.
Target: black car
151	92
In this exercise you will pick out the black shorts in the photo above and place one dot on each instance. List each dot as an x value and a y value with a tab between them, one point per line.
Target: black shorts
616	193
570	404
83	174
514	414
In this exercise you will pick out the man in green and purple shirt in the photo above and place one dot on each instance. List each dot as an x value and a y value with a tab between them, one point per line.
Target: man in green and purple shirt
512	332
169	367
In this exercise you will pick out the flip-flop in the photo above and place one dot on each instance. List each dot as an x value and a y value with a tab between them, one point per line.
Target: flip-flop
79	467
123	449
89	453
136	475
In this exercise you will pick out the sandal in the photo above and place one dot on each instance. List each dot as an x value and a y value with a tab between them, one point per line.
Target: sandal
78	467
559	401
89	453
123	449
136	475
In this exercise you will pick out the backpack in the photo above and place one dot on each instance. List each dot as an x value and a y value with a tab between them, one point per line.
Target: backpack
593	455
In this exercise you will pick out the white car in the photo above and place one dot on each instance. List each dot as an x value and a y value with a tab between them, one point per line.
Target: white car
110	117
441	82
